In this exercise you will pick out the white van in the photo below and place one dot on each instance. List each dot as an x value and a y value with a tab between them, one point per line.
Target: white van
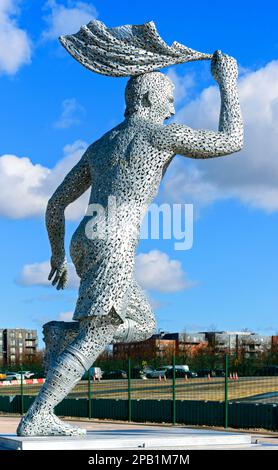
95	373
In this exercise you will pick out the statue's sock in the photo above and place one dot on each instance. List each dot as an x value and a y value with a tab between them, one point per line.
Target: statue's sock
61	379
69	367
132	331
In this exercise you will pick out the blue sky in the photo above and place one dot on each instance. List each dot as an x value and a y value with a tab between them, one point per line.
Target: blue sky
52	108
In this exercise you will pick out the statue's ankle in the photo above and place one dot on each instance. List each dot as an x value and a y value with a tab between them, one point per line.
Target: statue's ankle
39	410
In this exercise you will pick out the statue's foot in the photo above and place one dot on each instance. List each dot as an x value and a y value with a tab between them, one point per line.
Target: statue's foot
46	424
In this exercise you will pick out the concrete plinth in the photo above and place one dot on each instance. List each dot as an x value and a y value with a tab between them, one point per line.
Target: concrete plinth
159	438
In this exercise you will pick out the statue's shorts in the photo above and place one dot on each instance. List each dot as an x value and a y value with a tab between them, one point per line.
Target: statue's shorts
106	271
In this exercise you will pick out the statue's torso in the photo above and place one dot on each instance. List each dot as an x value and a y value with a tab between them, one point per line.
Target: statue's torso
125	164
126	171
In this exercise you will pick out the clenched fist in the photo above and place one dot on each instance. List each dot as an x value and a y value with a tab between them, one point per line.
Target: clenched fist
223	68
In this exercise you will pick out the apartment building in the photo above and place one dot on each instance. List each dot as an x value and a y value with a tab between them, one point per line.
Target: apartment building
17	345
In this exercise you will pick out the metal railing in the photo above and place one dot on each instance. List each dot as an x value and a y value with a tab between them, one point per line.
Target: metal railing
226	398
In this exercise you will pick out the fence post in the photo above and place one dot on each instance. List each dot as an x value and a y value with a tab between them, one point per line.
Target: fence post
174	389
21	391
226	410
89	395
129	388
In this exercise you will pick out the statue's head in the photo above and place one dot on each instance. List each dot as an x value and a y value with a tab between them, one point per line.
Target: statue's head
150	95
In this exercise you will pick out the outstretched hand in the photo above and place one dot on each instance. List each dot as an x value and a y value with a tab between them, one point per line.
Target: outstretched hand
223	67
58	272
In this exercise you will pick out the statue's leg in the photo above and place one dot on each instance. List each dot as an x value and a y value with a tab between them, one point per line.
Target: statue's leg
94	335
140	322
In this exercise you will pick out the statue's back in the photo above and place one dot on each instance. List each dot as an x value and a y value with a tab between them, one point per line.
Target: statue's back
124	163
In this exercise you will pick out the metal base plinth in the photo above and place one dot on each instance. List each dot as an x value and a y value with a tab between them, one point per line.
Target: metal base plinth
130	439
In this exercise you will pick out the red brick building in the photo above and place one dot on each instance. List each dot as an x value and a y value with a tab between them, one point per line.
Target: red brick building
151	348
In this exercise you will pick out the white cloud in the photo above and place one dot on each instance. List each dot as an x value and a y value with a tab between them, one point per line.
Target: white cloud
67	19
154	271
250	175
26	187
41	320
36	274
71	114
20	180
65	316
155	304
15	44
183	84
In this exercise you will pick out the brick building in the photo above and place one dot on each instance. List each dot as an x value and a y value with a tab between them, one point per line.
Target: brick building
154	347
161	345
184	344
274	343
1	346
187	344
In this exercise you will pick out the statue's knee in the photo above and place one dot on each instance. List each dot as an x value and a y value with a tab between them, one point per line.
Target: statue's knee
147	330
150	328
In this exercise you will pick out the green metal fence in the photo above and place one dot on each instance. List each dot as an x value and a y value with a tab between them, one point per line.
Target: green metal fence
224	396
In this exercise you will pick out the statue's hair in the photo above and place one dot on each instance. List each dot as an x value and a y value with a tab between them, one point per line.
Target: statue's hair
138	86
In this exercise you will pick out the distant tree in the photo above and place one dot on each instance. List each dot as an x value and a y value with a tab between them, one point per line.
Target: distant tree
212	327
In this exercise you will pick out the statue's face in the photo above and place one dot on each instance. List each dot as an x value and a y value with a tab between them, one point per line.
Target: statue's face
162	98
169	103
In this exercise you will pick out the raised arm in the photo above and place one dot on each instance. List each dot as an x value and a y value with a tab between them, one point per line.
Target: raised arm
183	140
77	181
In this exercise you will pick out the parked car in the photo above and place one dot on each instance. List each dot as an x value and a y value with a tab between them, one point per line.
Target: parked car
191	374
219	372
148	370
181	373
267	371
206	372
138	373
12	376
178	366
115	374
27	374
156	373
